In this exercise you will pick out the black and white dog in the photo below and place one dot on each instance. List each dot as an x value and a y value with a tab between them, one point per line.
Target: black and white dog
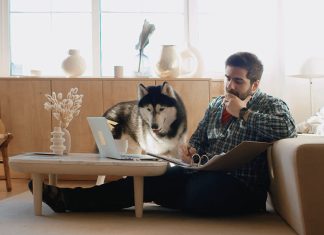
156	122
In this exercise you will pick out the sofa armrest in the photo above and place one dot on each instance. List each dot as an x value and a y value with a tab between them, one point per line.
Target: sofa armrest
297	188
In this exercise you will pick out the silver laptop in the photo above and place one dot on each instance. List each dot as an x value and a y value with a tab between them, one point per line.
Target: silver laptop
105	141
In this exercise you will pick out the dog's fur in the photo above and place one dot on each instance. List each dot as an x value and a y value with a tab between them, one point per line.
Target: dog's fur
156	122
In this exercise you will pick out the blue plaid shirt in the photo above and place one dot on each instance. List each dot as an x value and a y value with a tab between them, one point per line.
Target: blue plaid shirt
269	120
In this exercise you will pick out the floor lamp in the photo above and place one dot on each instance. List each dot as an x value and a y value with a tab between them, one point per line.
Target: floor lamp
312	68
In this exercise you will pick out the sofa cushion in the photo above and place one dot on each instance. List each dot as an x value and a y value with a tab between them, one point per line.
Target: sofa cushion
296	170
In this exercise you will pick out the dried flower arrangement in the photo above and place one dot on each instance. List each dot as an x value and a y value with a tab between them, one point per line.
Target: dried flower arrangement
64	109
147	30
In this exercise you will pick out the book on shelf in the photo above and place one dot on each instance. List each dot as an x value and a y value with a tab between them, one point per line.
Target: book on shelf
234	158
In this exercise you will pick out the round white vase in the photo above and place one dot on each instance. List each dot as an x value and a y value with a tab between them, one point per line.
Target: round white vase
74	65
191	62
168	65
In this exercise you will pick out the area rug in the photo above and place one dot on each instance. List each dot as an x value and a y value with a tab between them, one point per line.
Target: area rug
17	217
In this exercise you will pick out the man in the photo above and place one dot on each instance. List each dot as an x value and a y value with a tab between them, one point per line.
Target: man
243	114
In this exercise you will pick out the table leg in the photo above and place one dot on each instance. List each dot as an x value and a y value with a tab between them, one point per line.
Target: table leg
100	179
52	179
138	195
37	192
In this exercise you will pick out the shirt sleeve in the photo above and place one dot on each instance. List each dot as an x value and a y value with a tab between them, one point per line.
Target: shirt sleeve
274	122
198	139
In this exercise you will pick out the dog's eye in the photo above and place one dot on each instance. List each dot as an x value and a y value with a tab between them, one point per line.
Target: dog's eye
161	109
148	109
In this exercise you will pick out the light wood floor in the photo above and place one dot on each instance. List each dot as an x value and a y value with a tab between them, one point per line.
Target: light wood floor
20	186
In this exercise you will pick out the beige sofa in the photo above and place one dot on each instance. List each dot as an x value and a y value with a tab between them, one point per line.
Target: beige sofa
297	182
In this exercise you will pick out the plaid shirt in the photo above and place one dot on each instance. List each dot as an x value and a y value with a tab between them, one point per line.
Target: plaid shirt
269	120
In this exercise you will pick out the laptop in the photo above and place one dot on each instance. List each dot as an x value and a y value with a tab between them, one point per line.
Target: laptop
106	143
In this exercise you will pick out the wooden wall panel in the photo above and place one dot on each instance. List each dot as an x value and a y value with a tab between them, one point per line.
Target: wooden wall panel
22	110
216	88
22	105
121	90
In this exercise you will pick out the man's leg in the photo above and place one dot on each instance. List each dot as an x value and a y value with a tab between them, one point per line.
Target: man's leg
218	193
114	195
193	191
167	189
110	196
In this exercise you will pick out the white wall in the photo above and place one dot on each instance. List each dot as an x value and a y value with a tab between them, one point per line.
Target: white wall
297	96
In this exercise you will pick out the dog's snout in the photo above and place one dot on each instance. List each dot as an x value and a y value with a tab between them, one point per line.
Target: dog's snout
154	126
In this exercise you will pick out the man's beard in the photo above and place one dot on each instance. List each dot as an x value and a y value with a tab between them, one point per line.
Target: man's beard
242	96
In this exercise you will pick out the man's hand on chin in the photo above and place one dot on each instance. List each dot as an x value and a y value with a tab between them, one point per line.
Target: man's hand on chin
234	104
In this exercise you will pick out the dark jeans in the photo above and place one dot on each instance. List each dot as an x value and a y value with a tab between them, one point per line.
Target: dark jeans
207	192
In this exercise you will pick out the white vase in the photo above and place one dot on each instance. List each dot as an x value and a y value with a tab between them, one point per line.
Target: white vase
67	142
74	65
57	141
168	65
191	62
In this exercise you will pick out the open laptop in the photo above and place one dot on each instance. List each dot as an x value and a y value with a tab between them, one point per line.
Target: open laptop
105	141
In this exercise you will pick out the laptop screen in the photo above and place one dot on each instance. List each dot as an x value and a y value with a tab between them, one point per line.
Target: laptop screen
103	137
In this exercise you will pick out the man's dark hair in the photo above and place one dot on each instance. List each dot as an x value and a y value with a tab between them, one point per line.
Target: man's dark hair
247	61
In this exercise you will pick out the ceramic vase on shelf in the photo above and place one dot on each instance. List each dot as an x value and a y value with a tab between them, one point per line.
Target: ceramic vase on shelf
191	62
57	141
168	65
67	142
74	65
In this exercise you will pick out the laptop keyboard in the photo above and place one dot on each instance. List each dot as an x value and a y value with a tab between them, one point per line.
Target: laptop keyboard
133	156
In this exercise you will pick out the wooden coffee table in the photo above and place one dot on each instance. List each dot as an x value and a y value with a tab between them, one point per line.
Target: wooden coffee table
87	164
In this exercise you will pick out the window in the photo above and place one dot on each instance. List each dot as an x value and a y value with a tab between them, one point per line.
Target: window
239	28
121	24
42	32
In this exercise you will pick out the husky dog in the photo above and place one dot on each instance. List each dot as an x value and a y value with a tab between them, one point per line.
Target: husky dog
156	122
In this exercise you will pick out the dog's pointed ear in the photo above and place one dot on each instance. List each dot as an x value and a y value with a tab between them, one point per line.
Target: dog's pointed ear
141	91
168	90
